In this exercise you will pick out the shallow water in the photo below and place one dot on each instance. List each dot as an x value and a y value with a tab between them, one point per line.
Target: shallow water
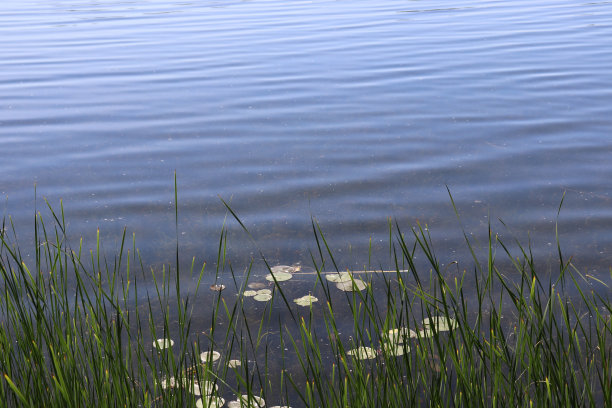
287	110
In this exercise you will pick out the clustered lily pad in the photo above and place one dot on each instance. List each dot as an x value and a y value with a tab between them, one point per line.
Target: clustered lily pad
362	353
244	401
306	300
212	355
210	402
437	323
161	344
352	285
338	277
261	295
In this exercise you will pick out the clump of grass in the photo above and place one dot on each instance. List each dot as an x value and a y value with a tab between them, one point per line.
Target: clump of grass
76	331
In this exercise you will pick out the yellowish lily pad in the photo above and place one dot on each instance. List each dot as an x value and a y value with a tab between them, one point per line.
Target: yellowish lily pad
401	335
306	300
209	355
262	297
280	276
362	353
338	277
234	363
208	402
163	343
245	402
205	388
350	286
440	323
250	293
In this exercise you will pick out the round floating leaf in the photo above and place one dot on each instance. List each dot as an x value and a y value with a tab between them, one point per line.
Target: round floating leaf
401	335
212	355
245	402
257	285
280	276
264	292
398	349
250	293
362	353
306	300
262	297
350	286
168	383
214	402
161	344
338	277
284	268
440	323
234	363
205	388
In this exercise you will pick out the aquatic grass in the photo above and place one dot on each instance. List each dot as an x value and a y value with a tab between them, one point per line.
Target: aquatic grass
75	328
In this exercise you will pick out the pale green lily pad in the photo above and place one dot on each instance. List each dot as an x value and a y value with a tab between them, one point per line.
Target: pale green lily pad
338	277
350	286
212	355
398	349
284	269
244	402
262	297
264	292
440	323
234	363
205	388
401	335
362	353
214	402
249	293
280	276
168	383
161	344
306	300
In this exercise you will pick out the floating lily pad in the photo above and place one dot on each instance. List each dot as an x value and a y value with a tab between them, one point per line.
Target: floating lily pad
264	292
401	335
163	343
362	353
244	402
205	388
306	300
440	323
350	286
262	297
214	402
398	349
212	355
234	363
250	293
338	277
257	285
280	276
168	383
284	268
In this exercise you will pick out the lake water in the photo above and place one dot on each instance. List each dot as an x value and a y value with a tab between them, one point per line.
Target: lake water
349	112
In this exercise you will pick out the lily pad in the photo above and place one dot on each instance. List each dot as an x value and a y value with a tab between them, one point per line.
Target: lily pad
280	276
205	388
262	297
338	277
257	285
362	353
245	402
168	383
398	349
249	293
284	268
161	344
209	355
440	323
214	402
401	335
306	300
234	363
350	286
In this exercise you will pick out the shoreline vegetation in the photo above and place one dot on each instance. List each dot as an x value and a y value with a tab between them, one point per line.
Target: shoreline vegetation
74	330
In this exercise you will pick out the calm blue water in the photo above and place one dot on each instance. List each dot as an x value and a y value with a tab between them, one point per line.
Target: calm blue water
352	112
